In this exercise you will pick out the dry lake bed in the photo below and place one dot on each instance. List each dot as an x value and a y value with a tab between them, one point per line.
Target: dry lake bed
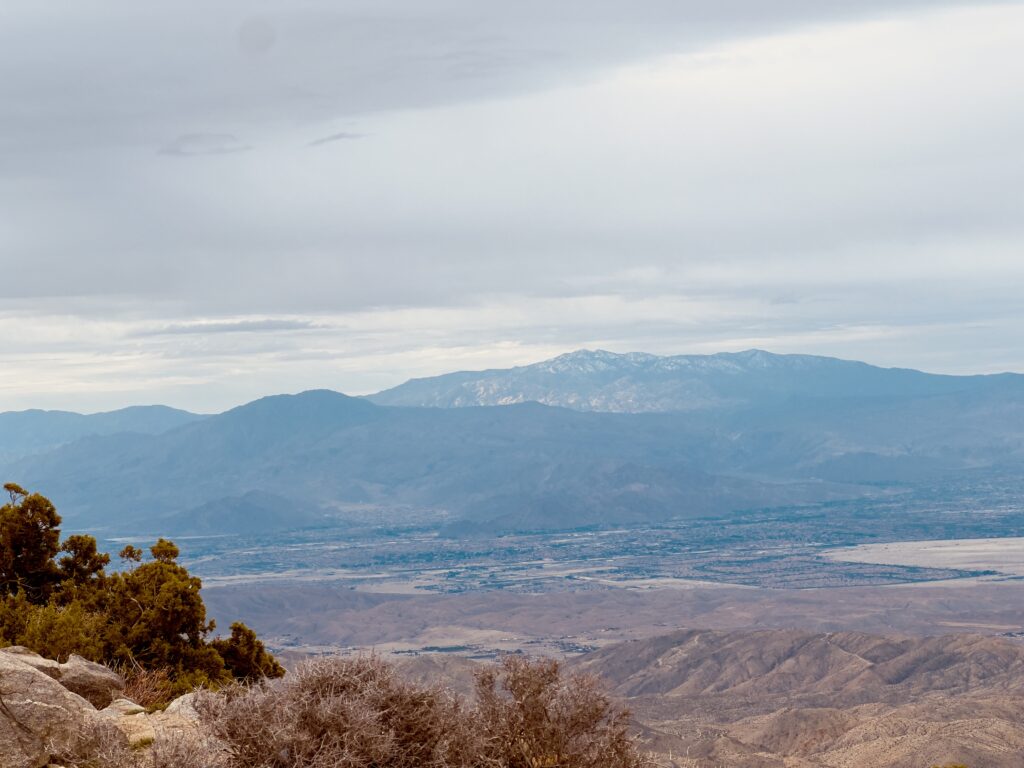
1004	556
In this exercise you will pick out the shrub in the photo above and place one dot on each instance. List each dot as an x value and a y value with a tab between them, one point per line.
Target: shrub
57	599
532	716
358	713
58	631
29	539
245	656
340	713
193	750
98	744
158	620
149	688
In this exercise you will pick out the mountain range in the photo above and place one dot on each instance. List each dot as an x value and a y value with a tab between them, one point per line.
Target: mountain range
23	433
588	380
774	698
786	698
762	430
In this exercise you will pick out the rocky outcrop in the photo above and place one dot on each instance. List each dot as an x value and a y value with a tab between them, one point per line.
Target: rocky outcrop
48	710
184	707
48	667
39	717
96	683
176	725
132	721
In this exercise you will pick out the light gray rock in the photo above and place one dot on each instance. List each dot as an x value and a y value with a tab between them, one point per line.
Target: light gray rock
120	707
185	707
39	717
95	682
178	724
46	666
137	729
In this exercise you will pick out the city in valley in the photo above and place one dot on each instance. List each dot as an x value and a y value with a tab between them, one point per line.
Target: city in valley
849	565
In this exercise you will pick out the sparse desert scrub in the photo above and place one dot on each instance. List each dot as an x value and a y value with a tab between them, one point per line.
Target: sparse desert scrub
530	715
98	744
101	744
192	750
337	713
149	688
359	713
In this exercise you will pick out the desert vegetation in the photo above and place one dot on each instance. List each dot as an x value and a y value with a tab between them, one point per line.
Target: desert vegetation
354	712
359	712
149	620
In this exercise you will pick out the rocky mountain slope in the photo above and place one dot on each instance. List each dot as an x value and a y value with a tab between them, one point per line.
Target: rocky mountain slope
589	380
775	698
757	667
794	699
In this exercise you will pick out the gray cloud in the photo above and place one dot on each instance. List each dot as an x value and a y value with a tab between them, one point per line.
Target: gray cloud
96	73
340	136
204	144
256	36
239	326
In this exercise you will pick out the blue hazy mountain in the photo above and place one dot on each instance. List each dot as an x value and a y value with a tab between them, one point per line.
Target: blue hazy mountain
640	383
515	467
26	432
254	512
786	430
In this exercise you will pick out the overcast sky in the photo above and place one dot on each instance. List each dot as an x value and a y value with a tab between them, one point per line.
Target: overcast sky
202	203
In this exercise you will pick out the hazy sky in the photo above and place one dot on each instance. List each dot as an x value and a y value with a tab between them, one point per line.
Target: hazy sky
202	203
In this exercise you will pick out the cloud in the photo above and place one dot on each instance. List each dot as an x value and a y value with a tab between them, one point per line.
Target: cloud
196	63
237	326
340	136
256	36
204	144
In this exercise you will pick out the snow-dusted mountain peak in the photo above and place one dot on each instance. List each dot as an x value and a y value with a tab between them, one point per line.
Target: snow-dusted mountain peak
599	380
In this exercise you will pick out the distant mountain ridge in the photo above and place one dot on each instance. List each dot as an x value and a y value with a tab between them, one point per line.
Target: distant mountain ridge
23	433
254	512
597	380
771	430
519	467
